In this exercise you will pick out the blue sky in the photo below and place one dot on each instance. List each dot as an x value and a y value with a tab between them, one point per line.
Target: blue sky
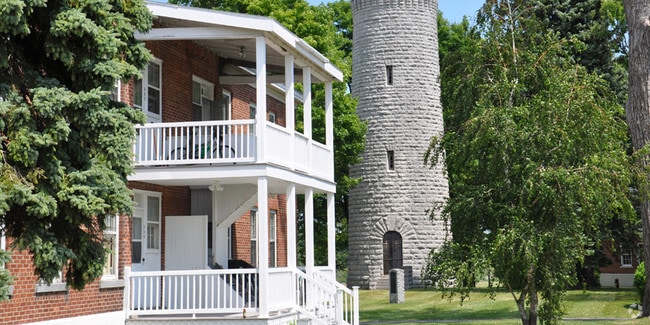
452	10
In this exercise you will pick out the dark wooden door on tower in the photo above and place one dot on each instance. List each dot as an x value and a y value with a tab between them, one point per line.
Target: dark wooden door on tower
392	251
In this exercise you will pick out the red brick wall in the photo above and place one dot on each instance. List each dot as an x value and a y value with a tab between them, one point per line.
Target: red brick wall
241	231
27	306
244	95
616	267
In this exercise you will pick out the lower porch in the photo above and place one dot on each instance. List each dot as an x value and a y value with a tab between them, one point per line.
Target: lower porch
227	296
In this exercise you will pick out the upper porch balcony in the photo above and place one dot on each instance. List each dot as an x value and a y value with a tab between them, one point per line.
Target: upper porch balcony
228	143
231	50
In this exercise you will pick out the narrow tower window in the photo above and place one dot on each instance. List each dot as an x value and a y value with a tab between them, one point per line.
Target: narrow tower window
391	159
389	74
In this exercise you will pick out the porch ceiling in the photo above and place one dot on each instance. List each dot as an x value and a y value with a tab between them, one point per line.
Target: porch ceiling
232	37
205	176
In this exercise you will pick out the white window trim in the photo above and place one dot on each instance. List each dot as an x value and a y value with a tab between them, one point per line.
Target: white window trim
57	285
112	280
623	253
145	92
273	225
253	218
118	93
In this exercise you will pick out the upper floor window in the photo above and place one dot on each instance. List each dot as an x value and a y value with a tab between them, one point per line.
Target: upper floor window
147	91
390	157
389	74
223	110
203	108
272	117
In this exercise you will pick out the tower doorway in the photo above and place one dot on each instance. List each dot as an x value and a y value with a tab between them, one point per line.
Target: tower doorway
392	251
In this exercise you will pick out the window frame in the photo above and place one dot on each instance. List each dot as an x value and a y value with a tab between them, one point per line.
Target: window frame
205	96
145	85
626	254
253	240
273	246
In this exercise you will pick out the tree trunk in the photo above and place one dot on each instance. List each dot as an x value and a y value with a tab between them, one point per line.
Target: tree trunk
637	110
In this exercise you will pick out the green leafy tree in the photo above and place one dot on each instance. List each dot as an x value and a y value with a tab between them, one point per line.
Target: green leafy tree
65	146
535	148
328	28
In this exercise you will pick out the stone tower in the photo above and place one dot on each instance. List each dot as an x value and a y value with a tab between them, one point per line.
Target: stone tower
396	79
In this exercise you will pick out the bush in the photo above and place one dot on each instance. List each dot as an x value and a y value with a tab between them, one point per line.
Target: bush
639	280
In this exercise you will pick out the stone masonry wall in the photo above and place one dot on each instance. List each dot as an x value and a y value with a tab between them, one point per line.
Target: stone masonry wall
401	117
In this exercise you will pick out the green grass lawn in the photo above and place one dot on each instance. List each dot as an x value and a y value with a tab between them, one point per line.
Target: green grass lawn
428	305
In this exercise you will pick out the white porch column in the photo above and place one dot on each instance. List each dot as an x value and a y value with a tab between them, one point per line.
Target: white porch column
331	233
219	233
290	106
309	230
291	226
260	83
306	85
329	124
263	244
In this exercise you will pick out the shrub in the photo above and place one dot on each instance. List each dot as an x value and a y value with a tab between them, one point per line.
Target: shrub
639	280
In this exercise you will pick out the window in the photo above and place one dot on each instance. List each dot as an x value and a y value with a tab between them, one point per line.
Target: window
390	155
203	108
223	110
111	239
389	74
147	91
272	239
253	237
153	222
252	113
626	258
272	117
230	242
3	244
57	285
116	96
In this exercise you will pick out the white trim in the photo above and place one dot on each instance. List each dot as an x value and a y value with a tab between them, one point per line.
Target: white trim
236	25
110	318
115	254
196	175
151	117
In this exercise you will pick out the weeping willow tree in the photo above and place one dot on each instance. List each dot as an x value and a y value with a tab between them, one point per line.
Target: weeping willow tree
535	147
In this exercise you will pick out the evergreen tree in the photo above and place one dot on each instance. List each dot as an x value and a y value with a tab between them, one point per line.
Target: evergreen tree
65	145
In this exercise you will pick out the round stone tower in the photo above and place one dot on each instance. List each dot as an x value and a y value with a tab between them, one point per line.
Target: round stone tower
396	79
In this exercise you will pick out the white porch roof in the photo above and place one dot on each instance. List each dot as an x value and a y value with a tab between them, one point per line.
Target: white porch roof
232	35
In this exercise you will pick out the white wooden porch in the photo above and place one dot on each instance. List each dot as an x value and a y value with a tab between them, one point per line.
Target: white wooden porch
212	143
179	296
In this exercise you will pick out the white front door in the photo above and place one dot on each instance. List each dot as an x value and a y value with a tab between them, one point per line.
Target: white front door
145	232
186	242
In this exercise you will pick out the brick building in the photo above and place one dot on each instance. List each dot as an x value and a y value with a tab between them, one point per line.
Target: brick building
218	167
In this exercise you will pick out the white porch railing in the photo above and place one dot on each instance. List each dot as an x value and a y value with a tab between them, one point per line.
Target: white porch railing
326	302
191	292
195	292
194	142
